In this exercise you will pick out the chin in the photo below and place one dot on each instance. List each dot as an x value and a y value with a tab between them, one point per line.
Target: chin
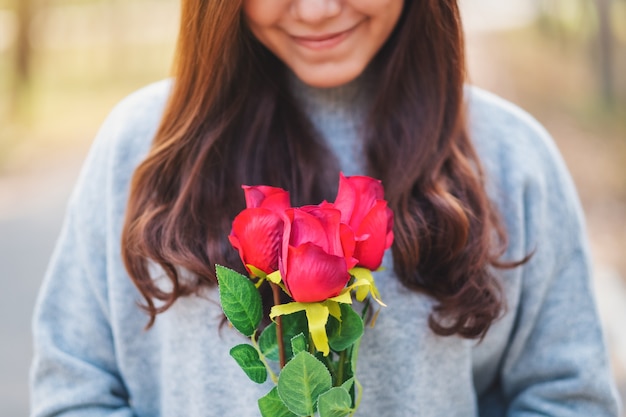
328	78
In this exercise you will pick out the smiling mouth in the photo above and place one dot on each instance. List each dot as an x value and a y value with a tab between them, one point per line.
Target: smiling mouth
324	41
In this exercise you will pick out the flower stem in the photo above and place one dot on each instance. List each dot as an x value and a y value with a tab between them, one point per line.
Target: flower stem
279	327
271	373
331	368
342	359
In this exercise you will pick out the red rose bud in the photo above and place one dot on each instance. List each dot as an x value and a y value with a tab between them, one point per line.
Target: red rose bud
361	202
317	253
257	231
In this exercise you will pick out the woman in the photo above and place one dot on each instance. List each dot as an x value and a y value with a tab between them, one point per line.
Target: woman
490	311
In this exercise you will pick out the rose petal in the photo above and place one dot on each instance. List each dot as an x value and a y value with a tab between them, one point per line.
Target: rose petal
257	235
346	199
376	225
356	196
307	228
314	275
348	243
330	219
390	235
277	202
272	198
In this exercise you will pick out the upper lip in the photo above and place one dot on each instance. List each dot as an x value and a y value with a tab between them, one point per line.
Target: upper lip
324	36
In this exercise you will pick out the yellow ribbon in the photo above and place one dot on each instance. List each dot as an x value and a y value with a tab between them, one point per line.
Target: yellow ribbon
364	284
317	313
317	316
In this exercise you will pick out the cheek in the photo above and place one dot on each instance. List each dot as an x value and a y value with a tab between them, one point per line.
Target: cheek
264	12
263	17
383	14
389	18
377	6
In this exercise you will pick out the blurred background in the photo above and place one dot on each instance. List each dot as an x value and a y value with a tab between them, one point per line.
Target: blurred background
65	63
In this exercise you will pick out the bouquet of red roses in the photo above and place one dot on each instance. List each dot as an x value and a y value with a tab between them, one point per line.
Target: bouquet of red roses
319	256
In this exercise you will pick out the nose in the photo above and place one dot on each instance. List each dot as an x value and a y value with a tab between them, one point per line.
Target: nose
316	11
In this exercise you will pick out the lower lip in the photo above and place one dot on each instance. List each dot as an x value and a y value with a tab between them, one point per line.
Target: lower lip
328	43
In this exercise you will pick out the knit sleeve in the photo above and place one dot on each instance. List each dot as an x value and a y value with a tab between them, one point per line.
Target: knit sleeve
556	362
74	371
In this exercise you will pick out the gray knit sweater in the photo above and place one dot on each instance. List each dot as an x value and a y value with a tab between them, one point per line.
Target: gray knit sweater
545	357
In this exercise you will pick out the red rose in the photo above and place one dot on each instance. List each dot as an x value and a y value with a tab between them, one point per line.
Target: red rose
361	202
317	253
257	231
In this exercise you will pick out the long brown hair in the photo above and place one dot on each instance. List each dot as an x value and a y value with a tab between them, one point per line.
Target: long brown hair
231	120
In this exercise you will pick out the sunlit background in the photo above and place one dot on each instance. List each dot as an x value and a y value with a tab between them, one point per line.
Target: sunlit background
65	63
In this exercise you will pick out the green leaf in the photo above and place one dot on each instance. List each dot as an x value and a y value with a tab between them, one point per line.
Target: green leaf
348	384
240	300
272	406
354	356
293	324
248	358
301	382
298	344
342	335
268	342
335	402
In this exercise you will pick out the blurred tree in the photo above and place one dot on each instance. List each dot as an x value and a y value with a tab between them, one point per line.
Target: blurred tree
593	24
23	53
605	40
